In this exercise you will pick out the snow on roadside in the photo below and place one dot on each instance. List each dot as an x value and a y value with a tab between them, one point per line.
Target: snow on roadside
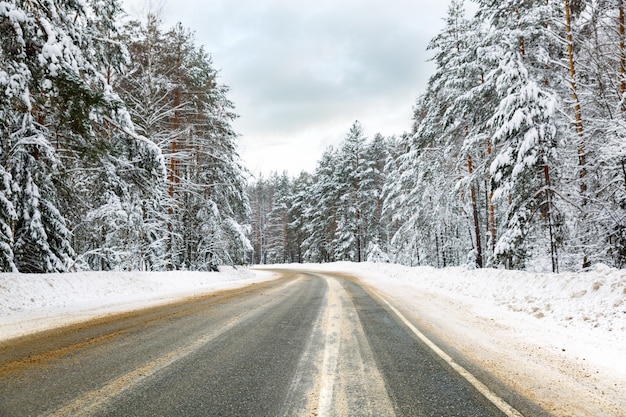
593	302
586	301
34	302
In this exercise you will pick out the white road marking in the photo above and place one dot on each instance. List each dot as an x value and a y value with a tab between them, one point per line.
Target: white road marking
502	405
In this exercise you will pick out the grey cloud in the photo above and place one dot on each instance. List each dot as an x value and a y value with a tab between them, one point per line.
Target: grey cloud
294	67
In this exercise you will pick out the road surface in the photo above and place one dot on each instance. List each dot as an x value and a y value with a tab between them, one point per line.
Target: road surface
306	344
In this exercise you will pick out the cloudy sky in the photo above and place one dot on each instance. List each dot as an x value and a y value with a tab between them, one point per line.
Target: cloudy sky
301	72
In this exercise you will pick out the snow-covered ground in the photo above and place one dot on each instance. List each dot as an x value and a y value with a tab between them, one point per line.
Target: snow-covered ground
558	339
34	302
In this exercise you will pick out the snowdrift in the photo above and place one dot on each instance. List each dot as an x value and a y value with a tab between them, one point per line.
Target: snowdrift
33	302
585	300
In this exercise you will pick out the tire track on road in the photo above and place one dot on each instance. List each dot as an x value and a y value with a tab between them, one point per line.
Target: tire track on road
337	375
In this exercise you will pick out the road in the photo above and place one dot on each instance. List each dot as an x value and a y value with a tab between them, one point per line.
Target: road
306	344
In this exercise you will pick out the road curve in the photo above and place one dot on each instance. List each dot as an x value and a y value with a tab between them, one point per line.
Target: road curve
306	344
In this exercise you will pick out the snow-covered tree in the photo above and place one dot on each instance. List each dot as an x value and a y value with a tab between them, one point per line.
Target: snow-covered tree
321	210
351	167
436	186
376	228
175	100
526	128
594	98
52	93
7	217
301	187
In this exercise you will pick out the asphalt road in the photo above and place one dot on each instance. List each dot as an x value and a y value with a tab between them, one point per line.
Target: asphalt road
306	344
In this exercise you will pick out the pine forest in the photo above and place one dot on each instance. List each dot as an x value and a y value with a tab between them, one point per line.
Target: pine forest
117	150
516	158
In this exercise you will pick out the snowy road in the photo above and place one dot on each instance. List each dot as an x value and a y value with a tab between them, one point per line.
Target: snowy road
308	344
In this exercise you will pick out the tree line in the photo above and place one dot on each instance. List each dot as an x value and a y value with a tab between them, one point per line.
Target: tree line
117	150
516	157
116	144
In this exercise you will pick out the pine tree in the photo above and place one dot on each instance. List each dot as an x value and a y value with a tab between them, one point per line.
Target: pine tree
298	227
595	39
460	91
52	92
429	205
321	213
175	100
526	128
7	217
279	219
376	230
349	238
108	179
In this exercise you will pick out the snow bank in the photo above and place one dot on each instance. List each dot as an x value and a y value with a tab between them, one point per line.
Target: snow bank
585	301
33	302
591	304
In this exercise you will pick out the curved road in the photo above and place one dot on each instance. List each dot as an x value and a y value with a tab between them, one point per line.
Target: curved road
307	344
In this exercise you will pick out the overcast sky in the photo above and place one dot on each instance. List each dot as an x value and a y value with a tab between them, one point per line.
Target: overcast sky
301	72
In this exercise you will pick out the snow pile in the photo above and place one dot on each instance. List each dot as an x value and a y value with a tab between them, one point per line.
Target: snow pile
32	302
586	300
592	301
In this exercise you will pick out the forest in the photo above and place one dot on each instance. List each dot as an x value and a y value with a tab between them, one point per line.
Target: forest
516	157
117	150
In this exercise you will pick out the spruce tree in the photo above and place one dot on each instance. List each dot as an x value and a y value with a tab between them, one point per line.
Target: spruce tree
52	92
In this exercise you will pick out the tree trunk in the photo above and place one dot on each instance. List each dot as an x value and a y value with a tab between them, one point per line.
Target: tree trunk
582	162
492	206
479	247
622	50
582	159
551	226
174	175
437	249
624	172
358	235
285	237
